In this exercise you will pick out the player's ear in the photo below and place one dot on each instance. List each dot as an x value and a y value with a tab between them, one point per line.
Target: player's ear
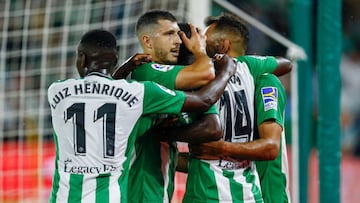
81	63
81	59
146	40
225	46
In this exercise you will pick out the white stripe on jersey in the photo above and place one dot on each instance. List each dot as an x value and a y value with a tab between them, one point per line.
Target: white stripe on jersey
95	144
88	186
222	184
63	192
114	189
285	164
165	158
247	193
247	187
100	105
241	83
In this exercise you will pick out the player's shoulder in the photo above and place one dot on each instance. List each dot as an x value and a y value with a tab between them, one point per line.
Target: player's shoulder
268	77
154	87
66	80
150	84
128	83
270	81
249	58
158	67
63	82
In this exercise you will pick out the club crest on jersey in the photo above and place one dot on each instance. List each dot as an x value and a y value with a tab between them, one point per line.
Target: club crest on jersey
270	97
169	91
161	67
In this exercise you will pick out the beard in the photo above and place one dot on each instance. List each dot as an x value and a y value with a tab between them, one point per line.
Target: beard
165	57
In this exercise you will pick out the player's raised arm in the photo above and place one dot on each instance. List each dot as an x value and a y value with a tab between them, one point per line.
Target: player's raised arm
201	71
130	64
206	96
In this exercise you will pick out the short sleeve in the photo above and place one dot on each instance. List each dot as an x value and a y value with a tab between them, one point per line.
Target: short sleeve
159	73
259	65
270	98
159	99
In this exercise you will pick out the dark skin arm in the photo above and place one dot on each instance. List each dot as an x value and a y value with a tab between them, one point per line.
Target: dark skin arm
208	127
201	100
129	65
205	129
265	148
284	66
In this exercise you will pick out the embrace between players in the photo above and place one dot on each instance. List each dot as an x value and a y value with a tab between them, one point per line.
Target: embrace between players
116	138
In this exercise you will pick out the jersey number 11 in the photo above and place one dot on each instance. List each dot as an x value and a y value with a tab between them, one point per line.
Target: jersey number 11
76	113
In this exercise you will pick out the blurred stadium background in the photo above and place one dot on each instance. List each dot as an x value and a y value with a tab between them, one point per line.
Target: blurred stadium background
38	40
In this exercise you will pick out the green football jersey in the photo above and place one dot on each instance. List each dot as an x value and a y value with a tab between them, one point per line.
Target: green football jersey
226	181
162	74
153	168
96	121
270	100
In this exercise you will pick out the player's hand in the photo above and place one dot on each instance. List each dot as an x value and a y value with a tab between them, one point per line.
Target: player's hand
223	62
130	64
196	44
159	131
208	151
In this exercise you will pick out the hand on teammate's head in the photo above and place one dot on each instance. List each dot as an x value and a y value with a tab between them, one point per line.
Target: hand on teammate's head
221	59
196	43
130	64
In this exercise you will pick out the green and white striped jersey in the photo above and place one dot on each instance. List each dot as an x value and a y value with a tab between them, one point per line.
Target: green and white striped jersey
152	172
225	181
270	100
96	121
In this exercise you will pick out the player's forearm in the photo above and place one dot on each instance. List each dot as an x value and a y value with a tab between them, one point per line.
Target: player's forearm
124	69
202	100
197	74
284	66
205	129
211	93
261	149
120	73
204	66
130	64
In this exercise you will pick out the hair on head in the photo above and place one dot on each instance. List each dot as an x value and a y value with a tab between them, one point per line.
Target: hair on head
185	56
98	39
231	24
152	17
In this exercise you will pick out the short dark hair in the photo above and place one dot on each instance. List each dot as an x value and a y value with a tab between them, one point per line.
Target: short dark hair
231	24
98	40
185	56
98	46
152	17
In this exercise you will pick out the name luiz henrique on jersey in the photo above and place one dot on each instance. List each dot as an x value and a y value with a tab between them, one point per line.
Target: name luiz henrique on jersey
94	87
